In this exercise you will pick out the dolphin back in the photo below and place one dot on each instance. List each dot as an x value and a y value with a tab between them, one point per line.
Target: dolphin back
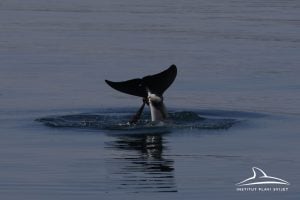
157	83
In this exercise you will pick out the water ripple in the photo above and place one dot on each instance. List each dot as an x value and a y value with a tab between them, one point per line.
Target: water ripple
118	121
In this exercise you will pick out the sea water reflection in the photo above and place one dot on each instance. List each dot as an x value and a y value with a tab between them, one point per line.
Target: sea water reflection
141	165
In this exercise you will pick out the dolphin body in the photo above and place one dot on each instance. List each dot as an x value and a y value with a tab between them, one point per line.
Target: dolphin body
151	89
261	178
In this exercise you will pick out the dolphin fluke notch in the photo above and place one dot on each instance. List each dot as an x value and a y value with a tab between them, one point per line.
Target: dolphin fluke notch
261	178
157	83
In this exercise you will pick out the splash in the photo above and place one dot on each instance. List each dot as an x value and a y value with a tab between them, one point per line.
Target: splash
119	121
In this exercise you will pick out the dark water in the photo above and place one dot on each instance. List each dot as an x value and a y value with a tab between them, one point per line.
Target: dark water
233	106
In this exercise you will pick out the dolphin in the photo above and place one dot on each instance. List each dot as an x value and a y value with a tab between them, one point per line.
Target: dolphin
151	89
261	178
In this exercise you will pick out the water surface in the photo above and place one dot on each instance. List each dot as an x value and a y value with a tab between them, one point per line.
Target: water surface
237	60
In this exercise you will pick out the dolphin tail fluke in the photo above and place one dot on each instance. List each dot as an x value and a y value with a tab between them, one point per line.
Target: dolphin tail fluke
133	87
157	83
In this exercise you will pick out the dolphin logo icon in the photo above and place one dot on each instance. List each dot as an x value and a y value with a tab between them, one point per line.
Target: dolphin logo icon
261	178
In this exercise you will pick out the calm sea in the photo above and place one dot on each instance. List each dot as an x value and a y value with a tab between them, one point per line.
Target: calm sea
236	59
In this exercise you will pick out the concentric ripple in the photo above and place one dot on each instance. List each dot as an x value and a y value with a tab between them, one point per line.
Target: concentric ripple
118	120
